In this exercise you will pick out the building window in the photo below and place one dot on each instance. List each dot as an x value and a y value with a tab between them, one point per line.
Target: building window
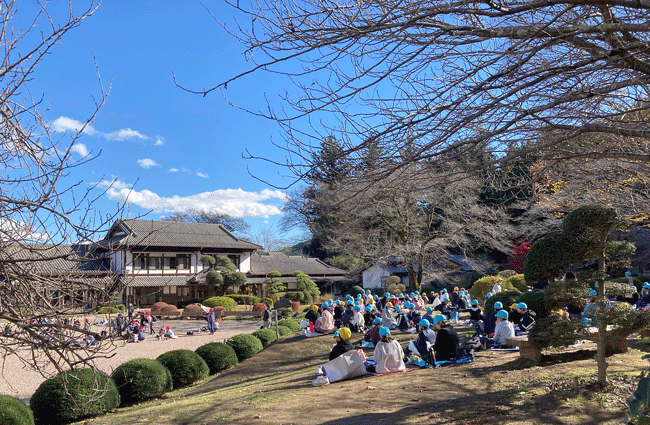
169	263
167	290
154	263
235	260
140	262
182	291
182	262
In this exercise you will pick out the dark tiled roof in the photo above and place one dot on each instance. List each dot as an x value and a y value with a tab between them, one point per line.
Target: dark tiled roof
53	259
148	281
150	233
263	264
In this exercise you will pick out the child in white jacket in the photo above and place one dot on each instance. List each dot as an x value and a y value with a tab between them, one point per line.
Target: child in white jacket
504	328
388	353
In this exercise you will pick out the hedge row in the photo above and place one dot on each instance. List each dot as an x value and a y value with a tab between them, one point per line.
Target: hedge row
72	395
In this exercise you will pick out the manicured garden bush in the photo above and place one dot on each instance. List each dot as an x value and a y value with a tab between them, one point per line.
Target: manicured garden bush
218	356
168	309
219	311
245	345
266	336
268	301
295	306
226	302
484	285
285	312
245	299
141	379
283	330
536	301
553	332
292	324
107	310
185	366
121	307
86	393
183	303
156	307
507	298
260	307
518	282
192	310
14	412
356	290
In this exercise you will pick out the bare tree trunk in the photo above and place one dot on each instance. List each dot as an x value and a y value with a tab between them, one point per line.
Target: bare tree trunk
413	277
602	324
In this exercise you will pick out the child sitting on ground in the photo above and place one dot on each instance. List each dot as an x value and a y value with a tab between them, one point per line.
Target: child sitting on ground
504	329
373	335
357	323
422	344
403	323
388	353
475	313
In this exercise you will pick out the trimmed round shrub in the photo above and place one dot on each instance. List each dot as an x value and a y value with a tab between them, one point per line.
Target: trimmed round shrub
121	307
86	393
507	298
505	274
245	345
537	302
218	356
14	412
356	290
285	312
484	285
283	330
260	307
169	309
518	282
141	379
107	310
226	302
185	366
192	310
219	311
553	332
292	324
266	336
156	307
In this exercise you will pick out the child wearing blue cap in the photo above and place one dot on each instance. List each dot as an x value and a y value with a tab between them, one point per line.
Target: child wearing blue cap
369	315
526	320
504	328
423	343
373	334
475	312
388	354
357	323
491	319
325	323
403	323
447	342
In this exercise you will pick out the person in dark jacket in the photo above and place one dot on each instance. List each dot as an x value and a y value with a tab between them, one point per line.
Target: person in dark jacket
348	314
447	342
443	308
425	340
338	313
373	334
403	323
343	344
491	319
312	314
475	313
526	319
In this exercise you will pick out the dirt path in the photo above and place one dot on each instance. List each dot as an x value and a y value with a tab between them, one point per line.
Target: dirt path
20	382
498	388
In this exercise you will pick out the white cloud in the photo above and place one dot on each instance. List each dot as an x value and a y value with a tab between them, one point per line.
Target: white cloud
147	163
173	170
80	148
125	134
234	202
159	141
18	231
63	124
200	174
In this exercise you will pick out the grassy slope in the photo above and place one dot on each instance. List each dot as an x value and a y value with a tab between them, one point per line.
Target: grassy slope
500	388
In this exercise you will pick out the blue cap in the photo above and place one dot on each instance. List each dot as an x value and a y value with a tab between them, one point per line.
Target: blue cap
347	295
336	333
330	301
356	307
397	308
443	291
628	273
439	318
596	284
416	292
367	291
383	331
358	296
488	295
367	308
522	305
425	323
375	296
474	302
350	302
325	305
503	314
429	309
377	320
387	294
356	303
646	285
592	293
498	305
338	302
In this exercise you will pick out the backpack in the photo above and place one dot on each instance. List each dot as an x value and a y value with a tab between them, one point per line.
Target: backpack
467	348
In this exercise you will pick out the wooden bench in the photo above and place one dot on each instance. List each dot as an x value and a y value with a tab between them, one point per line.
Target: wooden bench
613	345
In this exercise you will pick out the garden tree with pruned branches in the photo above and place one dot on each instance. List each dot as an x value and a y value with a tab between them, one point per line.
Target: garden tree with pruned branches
43	212
587	236
421	80
222	275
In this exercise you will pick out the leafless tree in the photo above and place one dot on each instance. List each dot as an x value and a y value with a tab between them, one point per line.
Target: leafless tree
422	80
417	215
43	277
232	224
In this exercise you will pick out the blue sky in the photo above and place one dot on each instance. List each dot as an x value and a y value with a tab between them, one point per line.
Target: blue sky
179	150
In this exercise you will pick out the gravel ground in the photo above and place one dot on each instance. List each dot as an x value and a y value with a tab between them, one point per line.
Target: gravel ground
21	382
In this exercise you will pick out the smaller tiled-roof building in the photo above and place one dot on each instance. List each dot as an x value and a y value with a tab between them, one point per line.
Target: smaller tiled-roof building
328	278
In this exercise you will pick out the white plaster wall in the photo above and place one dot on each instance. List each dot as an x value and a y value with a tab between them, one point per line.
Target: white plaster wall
245	262
371	277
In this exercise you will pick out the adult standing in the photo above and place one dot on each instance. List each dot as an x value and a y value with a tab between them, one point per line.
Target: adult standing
130	309
210	318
